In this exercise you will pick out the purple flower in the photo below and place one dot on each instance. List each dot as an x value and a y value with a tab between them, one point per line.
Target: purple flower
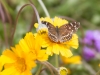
97	40
92	38
97	46
96	35
88	53
88	37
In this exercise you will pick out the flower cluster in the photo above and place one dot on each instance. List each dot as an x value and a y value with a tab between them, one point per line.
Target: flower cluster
20	60
92	40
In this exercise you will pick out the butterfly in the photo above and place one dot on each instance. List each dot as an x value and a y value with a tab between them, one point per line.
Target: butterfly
63	33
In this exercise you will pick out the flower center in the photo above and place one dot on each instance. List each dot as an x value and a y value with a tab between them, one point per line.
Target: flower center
20	65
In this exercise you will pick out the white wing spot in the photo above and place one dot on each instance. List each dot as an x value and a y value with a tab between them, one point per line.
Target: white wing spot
67	34
71	24
75	26
69	27
71	32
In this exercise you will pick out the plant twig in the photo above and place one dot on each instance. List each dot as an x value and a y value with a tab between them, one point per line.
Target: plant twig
53	68
89	68
47	67
36	12
39	70
4	26
44	8
56	61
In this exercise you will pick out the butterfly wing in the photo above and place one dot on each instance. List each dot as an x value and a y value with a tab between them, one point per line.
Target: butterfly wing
52	33
66	31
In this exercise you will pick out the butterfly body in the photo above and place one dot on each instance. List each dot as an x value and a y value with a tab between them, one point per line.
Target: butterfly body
63	33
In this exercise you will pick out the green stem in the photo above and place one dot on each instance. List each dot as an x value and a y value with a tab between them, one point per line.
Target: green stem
50	69
39	70
44	8
56	61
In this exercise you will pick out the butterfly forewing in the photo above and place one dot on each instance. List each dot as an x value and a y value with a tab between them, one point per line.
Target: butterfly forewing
52	33
67	30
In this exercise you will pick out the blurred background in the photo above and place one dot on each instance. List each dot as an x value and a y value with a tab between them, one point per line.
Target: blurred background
87	12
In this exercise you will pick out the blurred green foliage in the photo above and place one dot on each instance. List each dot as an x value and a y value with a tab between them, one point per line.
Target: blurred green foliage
87	12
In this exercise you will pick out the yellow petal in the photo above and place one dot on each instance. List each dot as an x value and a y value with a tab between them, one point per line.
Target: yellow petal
42	56
72	60
9	71
56	49
73	42
8	57
49	50
24	45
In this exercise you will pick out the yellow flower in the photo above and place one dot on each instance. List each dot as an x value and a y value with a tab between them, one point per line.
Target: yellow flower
32	43
63	71
17	62
71	60
57	48
22	58
1	64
